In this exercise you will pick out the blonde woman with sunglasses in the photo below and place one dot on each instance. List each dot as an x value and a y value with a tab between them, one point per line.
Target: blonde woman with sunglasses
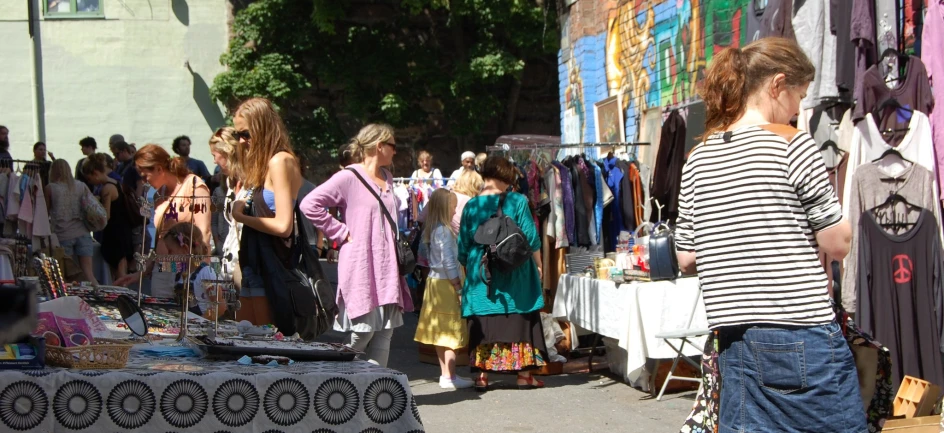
372	295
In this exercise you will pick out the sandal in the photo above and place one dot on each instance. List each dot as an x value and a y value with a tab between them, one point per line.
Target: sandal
481	384
531	382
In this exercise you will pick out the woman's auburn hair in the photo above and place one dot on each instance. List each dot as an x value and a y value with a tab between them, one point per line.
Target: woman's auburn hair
269	137
153	155
736	74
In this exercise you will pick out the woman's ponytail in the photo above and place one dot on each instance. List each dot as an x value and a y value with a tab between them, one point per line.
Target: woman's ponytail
724	90
178	167
736	74
357	150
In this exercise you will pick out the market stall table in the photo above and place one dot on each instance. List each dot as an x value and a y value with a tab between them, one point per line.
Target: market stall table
632	314
178	394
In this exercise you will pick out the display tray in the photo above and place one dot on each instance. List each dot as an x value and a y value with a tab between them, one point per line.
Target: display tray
233	348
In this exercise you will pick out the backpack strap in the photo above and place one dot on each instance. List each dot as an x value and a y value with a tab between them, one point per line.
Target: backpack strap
501	202
785	132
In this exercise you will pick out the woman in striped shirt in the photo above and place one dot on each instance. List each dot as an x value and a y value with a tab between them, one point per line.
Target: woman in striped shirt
756	213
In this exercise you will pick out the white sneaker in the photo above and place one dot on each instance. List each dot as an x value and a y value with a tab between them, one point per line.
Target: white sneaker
456	383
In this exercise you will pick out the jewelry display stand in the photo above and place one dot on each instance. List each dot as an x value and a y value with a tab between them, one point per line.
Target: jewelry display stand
223	285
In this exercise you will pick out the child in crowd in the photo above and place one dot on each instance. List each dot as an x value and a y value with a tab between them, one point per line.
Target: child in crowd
180	239
441	322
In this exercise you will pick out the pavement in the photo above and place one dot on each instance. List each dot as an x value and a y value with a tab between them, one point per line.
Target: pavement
585	402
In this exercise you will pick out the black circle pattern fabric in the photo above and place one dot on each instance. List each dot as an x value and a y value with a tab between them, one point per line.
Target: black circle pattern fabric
317	397
77	405
23	405
385	400
416	410
184	403
236	402
131	404
336	401
286	402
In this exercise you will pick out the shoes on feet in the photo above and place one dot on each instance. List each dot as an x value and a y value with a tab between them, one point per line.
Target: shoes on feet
455	383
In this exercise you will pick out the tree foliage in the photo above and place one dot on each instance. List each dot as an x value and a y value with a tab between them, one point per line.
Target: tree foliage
443	65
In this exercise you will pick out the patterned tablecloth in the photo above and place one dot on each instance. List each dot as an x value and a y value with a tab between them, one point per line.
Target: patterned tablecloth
176	395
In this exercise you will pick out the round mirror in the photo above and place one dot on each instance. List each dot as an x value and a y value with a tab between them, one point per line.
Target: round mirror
132	315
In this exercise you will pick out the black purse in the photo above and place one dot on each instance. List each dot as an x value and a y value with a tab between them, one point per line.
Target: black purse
406	261
663	261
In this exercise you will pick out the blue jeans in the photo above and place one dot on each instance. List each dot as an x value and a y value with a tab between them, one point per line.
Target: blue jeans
788	379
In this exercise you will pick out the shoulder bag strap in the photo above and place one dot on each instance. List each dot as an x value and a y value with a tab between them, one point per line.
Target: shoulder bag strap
383	207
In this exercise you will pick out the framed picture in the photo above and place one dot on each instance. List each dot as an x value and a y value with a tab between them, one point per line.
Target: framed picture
609	117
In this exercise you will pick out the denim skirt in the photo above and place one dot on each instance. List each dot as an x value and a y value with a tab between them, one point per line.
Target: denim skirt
788	379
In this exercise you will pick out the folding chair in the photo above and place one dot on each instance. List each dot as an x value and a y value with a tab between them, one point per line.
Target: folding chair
685	336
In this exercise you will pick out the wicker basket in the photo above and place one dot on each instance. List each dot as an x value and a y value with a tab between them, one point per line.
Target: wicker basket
103	353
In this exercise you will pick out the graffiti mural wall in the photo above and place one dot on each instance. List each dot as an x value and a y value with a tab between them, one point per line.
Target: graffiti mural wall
650	52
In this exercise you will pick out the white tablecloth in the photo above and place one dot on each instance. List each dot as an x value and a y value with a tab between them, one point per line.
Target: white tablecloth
632	314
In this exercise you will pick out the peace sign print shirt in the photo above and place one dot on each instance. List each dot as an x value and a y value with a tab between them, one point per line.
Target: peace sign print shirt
899	291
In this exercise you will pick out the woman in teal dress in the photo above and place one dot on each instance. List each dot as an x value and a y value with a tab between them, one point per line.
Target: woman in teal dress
504	319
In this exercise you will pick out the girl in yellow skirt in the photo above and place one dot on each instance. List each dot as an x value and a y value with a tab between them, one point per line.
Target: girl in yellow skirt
441	323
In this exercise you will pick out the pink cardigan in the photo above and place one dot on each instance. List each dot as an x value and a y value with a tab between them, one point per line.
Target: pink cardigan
367	266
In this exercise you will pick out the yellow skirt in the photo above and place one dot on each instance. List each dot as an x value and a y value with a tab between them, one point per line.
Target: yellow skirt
441	323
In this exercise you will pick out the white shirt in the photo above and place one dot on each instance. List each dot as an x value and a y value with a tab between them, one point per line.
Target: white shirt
868	145
435	175
231	244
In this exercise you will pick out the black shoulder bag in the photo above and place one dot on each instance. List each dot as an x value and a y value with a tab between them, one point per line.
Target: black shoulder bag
406	261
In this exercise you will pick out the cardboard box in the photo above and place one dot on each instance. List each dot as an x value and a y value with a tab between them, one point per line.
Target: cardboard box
923	424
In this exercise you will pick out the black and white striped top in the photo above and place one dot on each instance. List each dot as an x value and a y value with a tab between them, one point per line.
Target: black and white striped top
749	208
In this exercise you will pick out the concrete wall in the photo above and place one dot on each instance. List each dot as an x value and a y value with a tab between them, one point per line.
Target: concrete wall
123	73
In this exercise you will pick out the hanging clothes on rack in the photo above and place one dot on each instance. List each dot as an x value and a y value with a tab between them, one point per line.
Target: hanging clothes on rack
899	292
667	172
776	20
869	145
613	215
567	197
912	91
863	37
869	188
811	21
581	214
840	12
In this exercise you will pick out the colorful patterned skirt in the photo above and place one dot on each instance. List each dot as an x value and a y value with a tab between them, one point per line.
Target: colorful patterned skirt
506	343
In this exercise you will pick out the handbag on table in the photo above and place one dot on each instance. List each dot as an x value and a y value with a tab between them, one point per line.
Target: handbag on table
663	261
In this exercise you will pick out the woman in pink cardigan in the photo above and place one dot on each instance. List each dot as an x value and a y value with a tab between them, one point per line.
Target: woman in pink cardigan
372	295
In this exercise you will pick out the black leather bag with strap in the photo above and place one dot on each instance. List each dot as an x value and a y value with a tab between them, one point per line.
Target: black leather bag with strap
406	261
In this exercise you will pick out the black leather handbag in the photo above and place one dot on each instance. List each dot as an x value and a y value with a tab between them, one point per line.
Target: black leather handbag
406	261
663	262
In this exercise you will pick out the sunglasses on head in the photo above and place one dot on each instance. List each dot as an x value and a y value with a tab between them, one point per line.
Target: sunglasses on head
244	134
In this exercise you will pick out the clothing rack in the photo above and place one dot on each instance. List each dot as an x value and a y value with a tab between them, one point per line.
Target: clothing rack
503	147
8	163
433	179
669	108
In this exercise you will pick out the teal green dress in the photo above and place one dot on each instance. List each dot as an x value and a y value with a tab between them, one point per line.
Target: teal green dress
516	292
505	331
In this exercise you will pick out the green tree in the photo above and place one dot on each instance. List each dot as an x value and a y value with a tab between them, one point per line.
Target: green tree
424	66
